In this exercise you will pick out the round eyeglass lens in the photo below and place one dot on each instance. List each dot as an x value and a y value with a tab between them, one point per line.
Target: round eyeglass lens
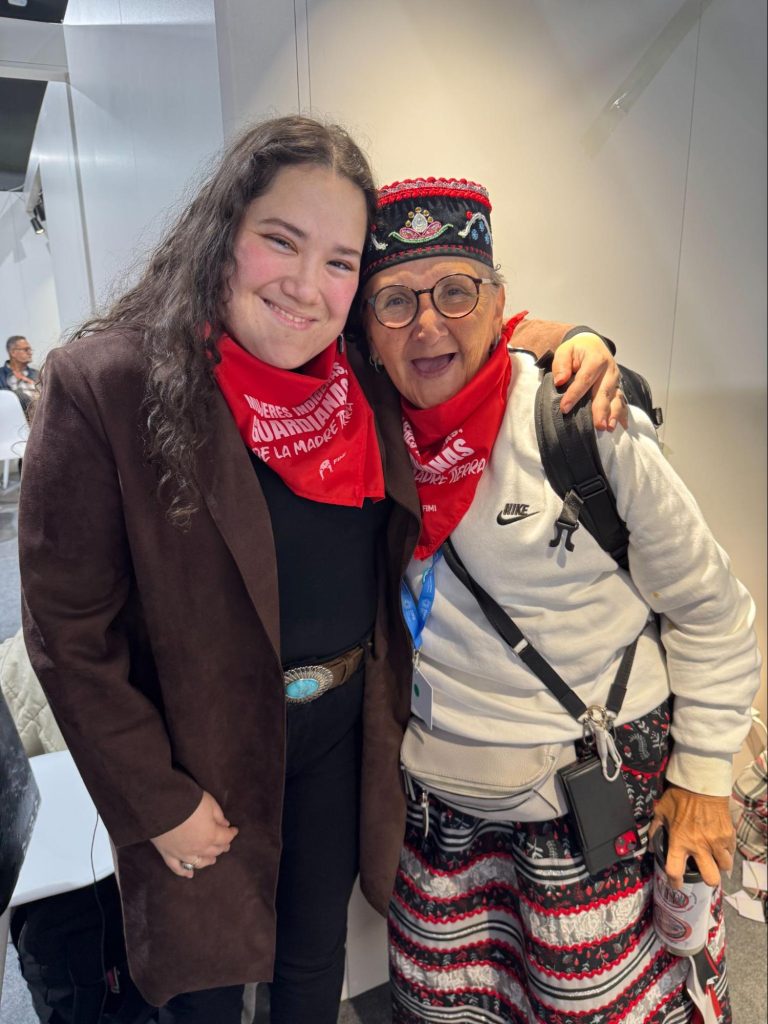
456	295
395	306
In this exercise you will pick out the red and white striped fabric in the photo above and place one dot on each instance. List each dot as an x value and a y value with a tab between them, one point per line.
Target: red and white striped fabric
501	923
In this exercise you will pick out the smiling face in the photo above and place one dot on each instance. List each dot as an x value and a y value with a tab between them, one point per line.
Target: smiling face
432	359
297	262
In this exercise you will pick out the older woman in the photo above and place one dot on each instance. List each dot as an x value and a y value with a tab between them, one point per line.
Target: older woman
495	915
202	532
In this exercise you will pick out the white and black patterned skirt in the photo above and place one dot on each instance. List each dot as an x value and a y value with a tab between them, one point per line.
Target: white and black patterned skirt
501	924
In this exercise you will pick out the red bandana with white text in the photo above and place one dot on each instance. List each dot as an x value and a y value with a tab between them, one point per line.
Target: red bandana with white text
450	445
314	429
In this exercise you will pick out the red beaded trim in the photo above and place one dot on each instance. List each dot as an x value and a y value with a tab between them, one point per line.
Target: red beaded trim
417	188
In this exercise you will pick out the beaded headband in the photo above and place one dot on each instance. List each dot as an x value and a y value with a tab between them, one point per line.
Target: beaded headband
429	217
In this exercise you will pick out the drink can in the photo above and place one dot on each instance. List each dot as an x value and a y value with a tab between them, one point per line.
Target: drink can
680	916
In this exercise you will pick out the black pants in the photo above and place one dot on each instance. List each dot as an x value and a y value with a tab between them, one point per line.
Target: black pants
318	867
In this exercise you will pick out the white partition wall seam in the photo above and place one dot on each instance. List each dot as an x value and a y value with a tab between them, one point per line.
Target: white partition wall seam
303	68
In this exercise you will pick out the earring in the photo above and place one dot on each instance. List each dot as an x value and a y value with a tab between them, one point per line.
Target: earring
340	344
375	363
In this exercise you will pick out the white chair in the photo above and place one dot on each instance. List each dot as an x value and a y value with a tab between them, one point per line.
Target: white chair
14	431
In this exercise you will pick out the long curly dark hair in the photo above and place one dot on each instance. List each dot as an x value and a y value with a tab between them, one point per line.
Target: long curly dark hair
175	306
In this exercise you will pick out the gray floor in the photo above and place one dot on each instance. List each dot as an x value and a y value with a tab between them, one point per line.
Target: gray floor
746	939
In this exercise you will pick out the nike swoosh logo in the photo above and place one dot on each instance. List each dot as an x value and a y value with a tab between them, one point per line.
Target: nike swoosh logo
503	520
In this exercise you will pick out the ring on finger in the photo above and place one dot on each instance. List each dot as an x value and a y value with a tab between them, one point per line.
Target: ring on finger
187	865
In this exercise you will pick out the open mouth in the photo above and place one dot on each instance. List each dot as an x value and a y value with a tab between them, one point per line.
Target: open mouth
433	366
286	317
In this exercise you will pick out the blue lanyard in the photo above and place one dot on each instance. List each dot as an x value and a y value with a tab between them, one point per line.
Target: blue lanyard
416	614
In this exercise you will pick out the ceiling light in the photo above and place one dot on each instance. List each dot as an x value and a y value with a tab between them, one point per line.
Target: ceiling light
18	3
37	227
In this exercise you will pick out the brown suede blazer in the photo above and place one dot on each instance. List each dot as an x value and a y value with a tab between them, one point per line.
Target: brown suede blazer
157	648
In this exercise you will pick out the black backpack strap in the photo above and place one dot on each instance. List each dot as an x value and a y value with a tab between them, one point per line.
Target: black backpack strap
637	391
571	460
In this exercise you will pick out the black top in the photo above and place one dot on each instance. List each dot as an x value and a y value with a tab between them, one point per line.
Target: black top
326	570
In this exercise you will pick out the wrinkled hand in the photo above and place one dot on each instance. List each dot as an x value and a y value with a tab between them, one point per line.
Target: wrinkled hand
199	840
698	826
585	358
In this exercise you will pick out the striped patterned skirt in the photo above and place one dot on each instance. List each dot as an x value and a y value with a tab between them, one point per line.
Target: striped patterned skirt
500	923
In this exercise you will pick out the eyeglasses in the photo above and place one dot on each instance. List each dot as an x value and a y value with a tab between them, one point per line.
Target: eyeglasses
454	296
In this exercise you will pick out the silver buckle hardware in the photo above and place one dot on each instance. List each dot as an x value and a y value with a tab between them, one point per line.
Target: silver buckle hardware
306	682
595	717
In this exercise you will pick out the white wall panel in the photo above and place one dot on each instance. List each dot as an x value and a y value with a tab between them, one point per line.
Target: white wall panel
716	409
32	50
593	236
27	294
259	59
366	947
145	91
54	155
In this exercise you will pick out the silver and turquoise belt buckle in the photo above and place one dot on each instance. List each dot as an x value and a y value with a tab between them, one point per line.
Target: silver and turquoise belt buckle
306	683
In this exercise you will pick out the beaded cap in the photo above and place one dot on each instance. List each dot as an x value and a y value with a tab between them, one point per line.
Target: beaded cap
429	217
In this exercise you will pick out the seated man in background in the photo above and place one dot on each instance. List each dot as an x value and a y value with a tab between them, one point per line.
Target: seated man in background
17	375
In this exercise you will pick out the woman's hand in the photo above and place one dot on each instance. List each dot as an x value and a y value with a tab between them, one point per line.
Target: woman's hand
698	826
198	841
587	360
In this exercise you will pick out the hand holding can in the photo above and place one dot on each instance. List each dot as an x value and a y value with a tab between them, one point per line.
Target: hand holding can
680	916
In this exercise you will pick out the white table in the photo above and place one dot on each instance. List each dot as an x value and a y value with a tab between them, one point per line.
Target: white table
59	853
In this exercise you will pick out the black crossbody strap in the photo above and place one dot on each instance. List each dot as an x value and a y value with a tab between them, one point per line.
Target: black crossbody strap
510	632
619	685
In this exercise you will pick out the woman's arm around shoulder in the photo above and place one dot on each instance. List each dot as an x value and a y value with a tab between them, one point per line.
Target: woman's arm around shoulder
582	357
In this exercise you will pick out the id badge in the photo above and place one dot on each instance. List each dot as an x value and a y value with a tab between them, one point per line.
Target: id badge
421	696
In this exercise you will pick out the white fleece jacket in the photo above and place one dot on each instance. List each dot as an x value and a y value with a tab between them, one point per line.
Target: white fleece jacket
580	610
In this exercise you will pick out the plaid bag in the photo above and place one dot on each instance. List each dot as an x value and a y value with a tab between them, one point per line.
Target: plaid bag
750	794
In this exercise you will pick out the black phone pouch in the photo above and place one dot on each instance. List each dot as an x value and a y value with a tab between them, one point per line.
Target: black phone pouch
601	811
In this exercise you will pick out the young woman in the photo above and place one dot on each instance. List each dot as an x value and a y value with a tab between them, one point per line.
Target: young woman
208	524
